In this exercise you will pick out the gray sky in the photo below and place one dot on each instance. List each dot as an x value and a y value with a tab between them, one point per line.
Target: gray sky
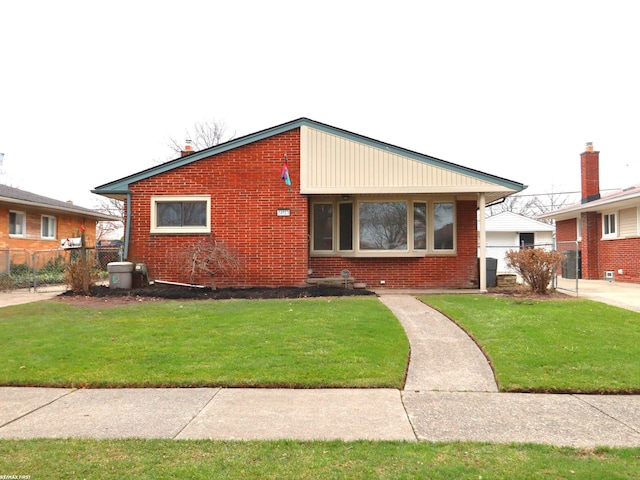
90	93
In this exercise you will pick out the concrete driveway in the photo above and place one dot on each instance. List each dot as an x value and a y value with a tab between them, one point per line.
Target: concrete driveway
618	294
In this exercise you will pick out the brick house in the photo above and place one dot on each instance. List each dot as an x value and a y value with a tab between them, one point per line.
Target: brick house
605	228
304	201
33	222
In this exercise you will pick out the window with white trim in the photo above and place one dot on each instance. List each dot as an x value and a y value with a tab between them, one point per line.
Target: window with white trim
17	224
181	214
48	227
381	227
609	225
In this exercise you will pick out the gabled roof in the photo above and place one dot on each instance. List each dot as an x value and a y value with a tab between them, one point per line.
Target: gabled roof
512	222
22	198
627	197
501	187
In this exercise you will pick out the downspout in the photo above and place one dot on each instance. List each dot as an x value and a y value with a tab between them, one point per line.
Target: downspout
127	227
483	243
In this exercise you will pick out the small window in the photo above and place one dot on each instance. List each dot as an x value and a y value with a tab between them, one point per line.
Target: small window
48	227
17	224
189	214
609	225
443	226
323	226
526	240
346	226
419	226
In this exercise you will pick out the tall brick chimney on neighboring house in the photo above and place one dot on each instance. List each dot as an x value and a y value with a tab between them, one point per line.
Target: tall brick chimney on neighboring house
590	172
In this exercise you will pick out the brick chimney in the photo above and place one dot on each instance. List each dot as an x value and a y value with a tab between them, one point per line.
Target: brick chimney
590	173
188	149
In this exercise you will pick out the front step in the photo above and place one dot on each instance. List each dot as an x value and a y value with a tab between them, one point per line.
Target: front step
336	282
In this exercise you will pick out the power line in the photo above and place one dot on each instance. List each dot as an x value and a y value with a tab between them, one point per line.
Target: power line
559	193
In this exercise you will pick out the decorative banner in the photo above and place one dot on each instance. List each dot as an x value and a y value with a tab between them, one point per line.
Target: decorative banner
285	172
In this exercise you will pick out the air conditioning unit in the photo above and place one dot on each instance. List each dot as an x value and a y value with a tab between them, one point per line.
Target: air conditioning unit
609	275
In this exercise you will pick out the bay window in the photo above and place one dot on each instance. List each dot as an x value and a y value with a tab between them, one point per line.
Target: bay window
382	227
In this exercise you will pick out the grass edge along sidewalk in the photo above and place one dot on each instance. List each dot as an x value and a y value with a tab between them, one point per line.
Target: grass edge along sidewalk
551	346
76	458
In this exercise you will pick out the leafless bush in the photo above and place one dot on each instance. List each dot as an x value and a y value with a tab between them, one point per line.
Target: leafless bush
537	266
212	258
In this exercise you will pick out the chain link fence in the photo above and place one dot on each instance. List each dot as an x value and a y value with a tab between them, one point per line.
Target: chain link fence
498	272
15	268
566	279
43	270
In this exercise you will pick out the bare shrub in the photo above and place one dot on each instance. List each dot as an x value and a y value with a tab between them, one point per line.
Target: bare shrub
212	258
537	266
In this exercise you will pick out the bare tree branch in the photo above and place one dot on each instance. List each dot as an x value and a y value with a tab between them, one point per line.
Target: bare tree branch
205	134
115	208
210	257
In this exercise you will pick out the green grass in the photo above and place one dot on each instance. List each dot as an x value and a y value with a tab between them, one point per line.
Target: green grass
159	459
340	342
558	346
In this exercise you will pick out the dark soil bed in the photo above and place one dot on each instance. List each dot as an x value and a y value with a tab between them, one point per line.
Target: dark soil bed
191	293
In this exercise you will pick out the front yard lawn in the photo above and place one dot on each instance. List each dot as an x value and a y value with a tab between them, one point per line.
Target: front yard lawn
326	342
570	345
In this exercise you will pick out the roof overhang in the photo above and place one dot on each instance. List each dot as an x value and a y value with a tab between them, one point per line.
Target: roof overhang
71	210
605	204
389	169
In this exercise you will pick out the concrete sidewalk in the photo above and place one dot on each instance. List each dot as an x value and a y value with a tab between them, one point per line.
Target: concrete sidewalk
349	414
444	400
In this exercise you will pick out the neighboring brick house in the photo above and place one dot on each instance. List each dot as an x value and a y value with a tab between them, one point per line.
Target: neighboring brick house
33	222
605	227
390	216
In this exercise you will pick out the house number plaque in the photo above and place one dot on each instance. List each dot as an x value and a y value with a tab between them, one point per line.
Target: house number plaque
283	212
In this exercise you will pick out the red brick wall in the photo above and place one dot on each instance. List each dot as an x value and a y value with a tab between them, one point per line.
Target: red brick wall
437	271
246	191
591	240
566	230
624	254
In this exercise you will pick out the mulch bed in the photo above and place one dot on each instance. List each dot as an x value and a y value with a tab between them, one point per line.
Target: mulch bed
191	293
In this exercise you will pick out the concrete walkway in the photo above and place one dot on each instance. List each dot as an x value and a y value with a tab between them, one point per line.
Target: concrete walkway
443	400
443	356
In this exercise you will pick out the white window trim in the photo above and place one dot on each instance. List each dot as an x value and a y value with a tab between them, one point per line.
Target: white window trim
609	236
180	198
55	227
24	225
408	252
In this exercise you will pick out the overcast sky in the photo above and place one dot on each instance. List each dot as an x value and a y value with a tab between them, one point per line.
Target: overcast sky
91	92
